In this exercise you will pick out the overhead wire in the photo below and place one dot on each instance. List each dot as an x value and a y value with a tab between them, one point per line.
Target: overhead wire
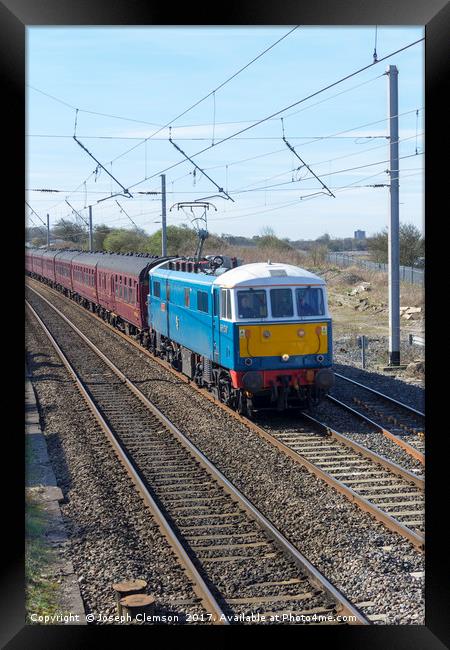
251	126
322	162
300	101
170	122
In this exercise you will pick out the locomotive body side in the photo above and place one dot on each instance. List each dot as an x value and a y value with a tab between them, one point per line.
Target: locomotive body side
180	309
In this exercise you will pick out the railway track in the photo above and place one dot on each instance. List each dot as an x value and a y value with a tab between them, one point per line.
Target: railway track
399	422
392	494
239	563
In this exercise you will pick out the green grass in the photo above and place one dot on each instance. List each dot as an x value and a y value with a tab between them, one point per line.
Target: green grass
41	593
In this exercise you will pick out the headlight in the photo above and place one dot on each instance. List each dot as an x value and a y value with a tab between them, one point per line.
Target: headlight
284	357
320	358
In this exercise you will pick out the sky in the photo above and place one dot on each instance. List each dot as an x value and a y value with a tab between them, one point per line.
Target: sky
129	82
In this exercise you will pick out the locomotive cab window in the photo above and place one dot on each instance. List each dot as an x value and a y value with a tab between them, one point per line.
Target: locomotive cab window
225	304
156	289
310	301
281	303
252	304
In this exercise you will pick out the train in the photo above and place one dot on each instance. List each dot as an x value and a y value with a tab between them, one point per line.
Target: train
258	336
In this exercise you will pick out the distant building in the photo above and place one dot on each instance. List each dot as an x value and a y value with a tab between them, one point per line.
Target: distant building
360	234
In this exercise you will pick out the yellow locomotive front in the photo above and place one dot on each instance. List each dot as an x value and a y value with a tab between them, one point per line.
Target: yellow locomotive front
282	336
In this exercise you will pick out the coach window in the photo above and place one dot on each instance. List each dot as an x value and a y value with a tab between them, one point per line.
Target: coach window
202	301
281	303
156	289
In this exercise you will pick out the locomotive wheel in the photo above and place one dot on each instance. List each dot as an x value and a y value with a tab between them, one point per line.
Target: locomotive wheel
224	392
245	406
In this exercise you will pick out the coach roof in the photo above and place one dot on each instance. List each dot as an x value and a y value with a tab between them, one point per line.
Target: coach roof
130	264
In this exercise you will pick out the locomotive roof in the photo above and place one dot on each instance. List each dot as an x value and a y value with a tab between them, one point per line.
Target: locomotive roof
184	276
267	273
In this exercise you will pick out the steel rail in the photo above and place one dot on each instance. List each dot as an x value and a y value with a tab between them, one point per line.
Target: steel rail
392	467
383	395
412	451
199	586
360	501
364	504
344	606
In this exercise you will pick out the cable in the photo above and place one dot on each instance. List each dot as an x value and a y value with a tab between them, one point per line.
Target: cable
291	148
317	139
36	226
375	47
199	139
322	162
180	126
212	92
82	110
340	171
283	109
34	212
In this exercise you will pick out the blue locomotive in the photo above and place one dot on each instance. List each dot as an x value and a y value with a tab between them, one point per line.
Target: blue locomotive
257	335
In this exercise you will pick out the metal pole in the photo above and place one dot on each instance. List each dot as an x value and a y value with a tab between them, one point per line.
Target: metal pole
164	224
90	228
393	238
363	351
48	230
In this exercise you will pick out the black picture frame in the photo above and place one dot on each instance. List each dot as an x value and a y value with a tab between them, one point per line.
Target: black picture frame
15	16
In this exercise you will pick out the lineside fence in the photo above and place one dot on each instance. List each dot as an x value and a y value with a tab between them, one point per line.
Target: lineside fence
407	273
